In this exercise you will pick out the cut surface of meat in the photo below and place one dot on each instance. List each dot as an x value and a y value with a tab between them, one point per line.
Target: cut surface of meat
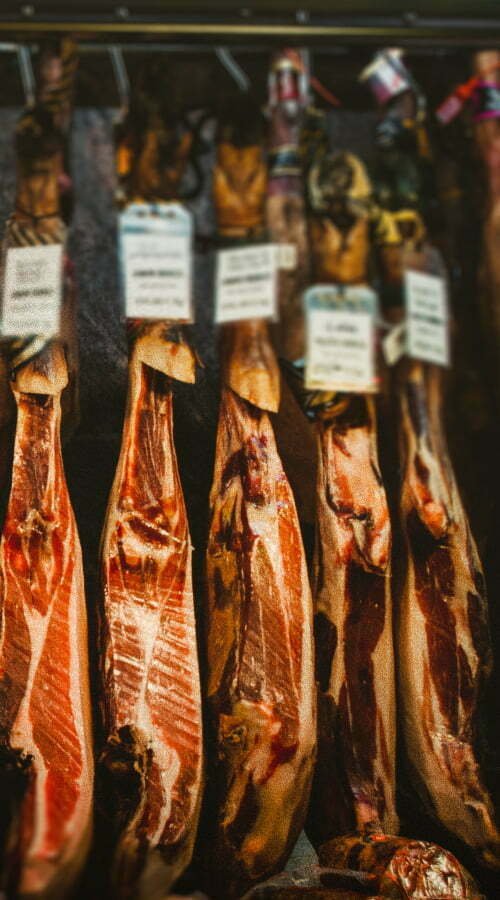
260	655
44	689
152	704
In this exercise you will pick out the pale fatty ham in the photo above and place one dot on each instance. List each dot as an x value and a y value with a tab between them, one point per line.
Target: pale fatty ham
44	687
443	644
151	693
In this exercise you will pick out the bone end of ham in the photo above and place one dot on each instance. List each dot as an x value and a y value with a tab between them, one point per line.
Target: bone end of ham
46	373
251	369
45	708
175	359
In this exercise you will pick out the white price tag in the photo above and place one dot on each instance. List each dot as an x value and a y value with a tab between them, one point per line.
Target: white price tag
156	261
388	75
32	290
340	350
427	318
246	283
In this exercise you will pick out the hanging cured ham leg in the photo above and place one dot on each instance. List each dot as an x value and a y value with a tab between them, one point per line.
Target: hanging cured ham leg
151	686
45	705
151	693
443	648
354	783
443	639
259	618
44	685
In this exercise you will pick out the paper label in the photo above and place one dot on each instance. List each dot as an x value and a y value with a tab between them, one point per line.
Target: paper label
246	283
394	344
32	291
155	244
427	318
340	347
386	76
392	80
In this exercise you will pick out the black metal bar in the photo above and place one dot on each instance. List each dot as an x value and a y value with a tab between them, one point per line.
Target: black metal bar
466	34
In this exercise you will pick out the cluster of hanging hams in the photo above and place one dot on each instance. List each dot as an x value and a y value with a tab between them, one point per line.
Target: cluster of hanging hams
300	719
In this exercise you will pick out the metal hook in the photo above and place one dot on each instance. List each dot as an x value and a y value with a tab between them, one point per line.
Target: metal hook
120	73
236	72
27	75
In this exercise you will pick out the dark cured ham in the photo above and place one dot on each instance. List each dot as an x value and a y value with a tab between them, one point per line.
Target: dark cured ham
152	706
443	647
354	784
45	703
260	685
402	869
443	638
151	701
355	772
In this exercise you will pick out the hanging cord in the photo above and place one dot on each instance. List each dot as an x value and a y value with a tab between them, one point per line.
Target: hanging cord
27	75
121	75
236	72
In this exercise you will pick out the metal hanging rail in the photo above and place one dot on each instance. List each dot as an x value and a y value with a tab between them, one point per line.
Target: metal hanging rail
302	28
